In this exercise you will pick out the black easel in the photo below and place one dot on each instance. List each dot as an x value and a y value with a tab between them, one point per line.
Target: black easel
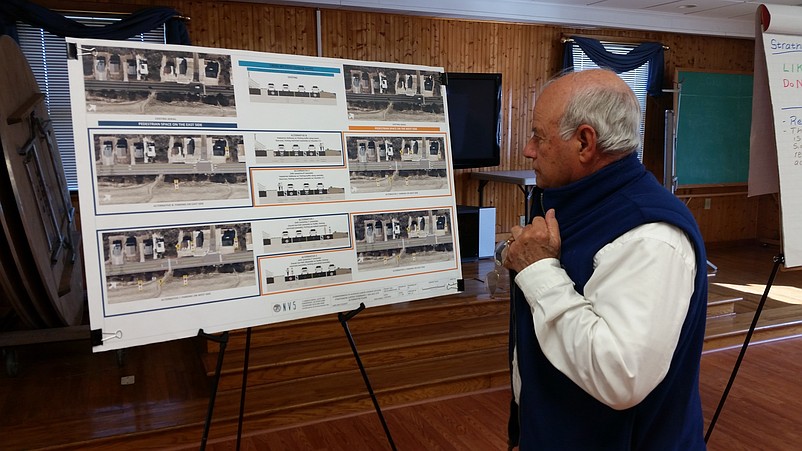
223	340
778	260
344	317
244	386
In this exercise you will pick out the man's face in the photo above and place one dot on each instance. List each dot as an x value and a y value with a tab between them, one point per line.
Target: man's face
553	159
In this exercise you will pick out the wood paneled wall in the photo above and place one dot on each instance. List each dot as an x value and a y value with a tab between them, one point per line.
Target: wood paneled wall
526	54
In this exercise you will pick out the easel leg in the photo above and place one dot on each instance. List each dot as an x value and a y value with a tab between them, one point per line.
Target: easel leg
344	317
223	340
778	260
244	386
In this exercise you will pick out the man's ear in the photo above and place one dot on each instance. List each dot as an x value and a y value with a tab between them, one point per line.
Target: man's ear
586	135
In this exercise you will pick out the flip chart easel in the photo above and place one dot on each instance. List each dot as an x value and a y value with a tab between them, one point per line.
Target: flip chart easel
775	163
775	156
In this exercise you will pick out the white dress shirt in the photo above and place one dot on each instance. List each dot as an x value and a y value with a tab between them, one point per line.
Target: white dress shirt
615	342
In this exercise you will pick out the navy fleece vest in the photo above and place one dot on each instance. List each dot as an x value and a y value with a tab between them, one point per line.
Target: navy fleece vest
556	414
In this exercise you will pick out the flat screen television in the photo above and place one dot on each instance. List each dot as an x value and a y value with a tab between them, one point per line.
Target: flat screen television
474	119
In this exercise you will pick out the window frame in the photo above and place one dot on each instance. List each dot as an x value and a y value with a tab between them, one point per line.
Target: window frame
47	57
637	79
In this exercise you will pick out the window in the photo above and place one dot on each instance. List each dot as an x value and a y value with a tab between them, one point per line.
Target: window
46	54
637	79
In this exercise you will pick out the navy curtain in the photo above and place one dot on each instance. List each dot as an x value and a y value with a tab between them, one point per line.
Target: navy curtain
651	52
141	21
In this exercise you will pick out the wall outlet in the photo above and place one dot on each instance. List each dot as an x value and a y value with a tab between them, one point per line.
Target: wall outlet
522	221
708	201
127	380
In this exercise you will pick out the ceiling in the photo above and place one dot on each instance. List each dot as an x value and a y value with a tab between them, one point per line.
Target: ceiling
734	18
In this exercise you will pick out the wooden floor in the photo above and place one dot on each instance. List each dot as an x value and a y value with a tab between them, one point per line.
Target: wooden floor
762	412
64	396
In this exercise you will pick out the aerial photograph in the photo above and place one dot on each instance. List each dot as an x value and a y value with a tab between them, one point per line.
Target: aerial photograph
158	168
393	95
404	238
177	262
153	82
383	164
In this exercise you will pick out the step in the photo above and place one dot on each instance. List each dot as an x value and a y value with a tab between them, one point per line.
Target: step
728	332
722	300
721	304
724	307
290	403
393	384
427	311
280	362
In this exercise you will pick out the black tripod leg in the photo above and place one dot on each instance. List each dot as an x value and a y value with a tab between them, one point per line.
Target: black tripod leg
778	260
244	386
223	340
344	321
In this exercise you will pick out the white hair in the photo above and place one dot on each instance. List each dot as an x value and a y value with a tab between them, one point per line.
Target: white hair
613	112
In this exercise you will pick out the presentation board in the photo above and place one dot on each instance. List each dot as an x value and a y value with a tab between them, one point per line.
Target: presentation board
714	116
224	189
776	139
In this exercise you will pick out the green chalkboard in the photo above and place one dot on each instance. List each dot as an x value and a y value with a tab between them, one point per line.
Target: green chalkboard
714	118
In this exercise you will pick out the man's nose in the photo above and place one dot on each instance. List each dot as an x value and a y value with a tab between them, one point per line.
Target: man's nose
530	151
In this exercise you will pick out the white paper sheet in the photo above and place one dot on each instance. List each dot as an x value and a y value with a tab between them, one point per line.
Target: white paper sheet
224	189
776	142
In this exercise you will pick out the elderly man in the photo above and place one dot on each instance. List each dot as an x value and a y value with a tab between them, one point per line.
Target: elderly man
608	315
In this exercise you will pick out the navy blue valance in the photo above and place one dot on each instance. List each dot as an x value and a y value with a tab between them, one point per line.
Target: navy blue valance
651	52
141	21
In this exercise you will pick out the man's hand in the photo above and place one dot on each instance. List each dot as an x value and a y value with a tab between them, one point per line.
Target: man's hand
536	241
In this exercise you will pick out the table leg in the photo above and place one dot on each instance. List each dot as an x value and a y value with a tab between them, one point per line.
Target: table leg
527	190
482	184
